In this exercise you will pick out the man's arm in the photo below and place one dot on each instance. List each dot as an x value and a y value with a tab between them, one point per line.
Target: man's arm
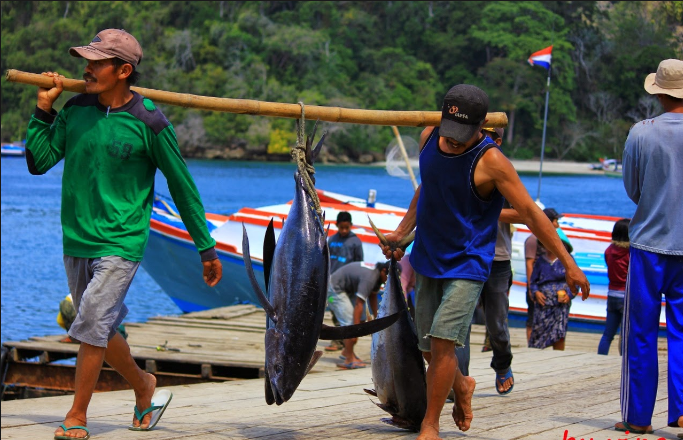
404	228
495	171
358	250
358	309
166	156
45	140
509	215
409	219
630	170
372	302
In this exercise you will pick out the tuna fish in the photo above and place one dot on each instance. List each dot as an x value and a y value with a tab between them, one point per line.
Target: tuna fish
296	272
398	369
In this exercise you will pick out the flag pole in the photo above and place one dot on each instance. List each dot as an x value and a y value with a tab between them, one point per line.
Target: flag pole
545	121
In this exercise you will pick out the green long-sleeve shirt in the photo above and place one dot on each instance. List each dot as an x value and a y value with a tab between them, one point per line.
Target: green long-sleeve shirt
110	159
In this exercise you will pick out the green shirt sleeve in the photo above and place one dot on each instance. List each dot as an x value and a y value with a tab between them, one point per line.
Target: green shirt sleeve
181	185
45	140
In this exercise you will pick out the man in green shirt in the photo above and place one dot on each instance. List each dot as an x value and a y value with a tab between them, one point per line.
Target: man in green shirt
112	141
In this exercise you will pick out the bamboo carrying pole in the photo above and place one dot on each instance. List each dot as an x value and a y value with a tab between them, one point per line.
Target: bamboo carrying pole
262	108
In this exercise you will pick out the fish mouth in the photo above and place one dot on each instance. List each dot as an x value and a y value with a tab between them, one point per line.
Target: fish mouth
279	399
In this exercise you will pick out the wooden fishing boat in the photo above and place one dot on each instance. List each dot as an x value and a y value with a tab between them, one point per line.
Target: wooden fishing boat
172	260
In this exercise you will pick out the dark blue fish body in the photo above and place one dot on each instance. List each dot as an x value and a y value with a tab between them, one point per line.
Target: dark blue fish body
398	369
301	267
296	273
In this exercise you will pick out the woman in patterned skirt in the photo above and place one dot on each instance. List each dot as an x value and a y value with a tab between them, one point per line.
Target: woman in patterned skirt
553	299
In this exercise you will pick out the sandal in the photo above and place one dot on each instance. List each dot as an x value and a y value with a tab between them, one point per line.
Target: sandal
630	429
352	365
501	379
66	437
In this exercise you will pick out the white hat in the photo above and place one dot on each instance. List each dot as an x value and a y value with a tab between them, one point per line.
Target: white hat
668	80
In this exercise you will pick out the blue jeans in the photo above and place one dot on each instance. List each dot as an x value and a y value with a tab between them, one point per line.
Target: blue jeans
494	297
615	313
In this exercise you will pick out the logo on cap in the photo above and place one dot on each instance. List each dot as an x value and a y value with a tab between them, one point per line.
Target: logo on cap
96	39
454	111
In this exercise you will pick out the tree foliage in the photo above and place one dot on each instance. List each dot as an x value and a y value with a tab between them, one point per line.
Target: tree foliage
375	55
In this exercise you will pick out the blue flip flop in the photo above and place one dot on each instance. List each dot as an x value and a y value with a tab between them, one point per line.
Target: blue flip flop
160	402
500	380
66	437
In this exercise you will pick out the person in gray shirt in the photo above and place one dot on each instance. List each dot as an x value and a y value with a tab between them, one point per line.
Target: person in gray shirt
351	287
653	179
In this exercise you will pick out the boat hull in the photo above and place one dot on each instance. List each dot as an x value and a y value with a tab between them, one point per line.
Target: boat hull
172	260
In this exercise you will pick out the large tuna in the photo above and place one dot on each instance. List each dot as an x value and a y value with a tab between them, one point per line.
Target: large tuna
296	272
398	369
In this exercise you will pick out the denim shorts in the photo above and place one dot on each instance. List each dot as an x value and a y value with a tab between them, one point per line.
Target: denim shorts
341	304
444	309
98	287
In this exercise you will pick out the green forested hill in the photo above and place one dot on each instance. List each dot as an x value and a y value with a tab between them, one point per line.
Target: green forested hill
375	55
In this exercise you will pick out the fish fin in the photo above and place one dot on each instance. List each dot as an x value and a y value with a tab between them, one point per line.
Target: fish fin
309	140
270	398
400	422
316	151
317	355
403	244
270	311
390	409
268	252
370	392
358	330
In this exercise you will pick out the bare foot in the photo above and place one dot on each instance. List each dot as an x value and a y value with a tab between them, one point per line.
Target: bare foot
680	421
462	409
69	422
429	432
143	400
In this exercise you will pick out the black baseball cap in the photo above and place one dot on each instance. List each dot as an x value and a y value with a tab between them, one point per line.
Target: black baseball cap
552	214
463	111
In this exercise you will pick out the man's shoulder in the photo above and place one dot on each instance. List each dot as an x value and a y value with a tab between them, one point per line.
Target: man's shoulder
149	114
353	238
81	100
642	128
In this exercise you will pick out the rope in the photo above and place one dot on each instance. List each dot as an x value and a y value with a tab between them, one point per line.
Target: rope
306	170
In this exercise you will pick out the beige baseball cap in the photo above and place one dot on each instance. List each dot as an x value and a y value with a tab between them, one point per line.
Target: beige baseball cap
111	43
668	80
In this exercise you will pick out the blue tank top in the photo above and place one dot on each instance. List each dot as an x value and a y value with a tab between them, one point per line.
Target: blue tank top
456	228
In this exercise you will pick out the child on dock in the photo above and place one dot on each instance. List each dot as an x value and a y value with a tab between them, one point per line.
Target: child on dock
617	259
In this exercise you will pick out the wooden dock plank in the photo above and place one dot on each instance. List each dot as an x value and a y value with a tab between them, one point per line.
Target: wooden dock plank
574	390
554	391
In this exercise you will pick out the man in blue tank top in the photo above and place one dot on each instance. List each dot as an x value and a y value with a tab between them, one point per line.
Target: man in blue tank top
456	209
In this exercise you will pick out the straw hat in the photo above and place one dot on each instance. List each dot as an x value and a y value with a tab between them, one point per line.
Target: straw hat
668	80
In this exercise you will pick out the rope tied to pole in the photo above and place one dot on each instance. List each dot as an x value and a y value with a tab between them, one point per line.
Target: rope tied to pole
306	170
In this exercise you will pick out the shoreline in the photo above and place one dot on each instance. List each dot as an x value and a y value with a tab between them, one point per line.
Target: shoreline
549	167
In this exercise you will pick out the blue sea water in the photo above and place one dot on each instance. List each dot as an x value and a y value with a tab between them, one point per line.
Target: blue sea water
33	279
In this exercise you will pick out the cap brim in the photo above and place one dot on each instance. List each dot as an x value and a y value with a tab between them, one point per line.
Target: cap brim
459	132
654	89
89	53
